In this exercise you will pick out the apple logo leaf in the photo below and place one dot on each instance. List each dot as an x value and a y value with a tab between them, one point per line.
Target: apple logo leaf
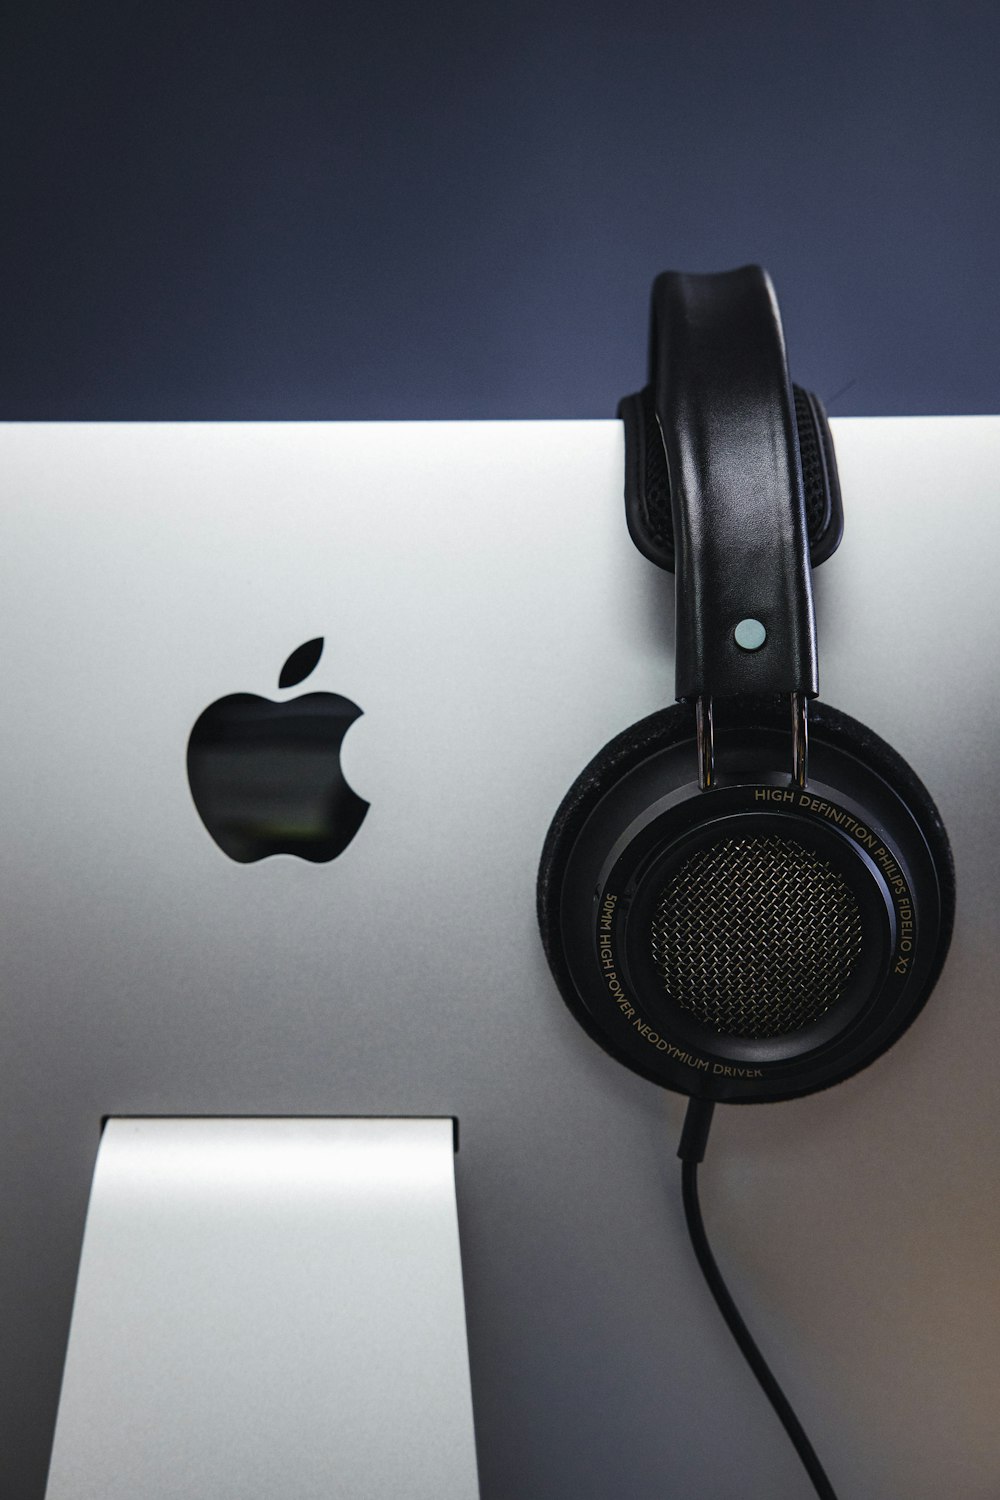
301	662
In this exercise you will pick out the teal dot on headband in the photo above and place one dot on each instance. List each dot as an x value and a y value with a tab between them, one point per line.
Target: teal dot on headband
750	635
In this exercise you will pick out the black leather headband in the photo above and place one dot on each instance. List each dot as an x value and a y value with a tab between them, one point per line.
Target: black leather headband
647	484
724	406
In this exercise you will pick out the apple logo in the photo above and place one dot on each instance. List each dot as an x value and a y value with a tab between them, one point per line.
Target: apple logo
266	776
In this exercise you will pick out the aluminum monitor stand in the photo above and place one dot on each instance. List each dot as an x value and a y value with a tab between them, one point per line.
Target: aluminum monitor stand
269	1307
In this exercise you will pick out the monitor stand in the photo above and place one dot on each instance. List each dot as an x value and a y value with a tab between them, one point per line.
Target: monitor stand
268	1307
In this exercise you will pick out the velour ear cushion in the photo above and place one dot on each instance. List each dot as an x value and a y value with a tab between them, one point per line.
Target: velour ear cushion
671	727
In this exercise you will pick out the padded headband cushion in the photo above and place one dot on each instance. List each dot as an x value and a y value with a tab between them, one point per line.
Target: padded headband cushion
672	725
647	482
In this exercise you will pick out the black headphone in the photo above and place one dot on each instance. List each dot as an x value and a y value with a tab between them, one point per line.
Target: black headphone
747	896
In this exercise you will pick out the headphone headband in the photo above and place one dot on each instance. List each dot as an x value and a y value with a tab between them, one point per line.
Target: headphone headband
724	405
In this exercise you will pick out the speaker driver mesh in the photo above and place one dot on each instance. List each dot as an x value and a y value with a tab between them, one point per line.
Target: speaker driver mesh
756	937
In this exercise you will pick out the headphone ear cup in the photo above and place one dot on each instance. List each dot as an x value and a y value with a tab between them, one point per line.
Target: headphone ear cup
630	822
664	730
661	731
830	726
648	510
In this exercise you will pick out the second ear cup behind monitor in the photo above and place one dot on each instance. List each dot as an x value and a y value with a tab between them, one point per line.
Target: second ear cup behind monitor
725	913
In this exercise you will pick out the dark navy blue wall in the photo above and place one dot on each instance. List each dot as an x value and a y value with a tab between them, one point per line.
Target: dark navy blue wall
374	211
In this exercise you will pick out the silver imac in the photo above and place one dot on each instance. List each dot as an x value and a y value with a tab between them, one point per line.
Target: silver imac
486	626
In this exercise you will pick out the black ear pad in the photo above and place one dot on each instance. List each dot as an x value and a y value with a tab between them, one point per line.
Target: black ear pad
647	481
757	941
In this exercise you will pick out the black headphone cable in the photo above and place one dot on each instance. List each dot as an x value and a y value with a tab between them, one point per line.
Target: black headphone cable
691	1151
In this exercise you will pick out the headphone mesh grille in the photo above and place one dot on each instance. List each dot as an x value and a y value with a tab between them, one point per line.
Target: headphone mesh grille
756	937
